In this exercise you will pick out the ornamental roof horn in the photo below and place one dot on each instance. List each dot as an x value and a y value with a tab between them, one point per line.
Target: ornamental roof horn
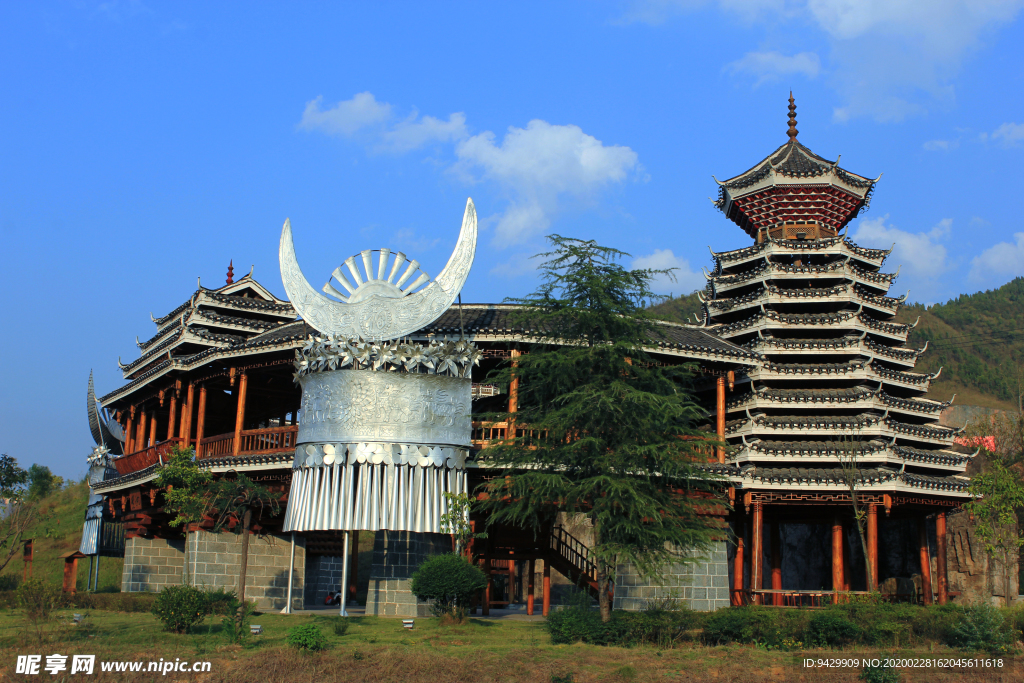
381	303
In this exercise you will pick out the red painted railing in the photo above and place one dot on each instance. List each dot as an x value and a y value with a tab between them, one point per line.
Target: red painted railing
254	442
140	460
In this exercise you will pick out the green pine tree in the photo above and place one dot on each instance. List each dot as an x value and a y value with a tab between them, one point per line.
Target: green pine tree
617	442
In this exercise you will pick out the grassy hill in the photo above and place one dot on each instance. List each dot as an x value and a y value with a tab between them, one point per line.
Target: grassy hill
977	340
59	531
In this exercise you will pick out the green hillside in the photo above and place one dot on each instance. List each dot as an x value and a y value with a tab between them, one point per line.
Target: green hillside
678	309
59	531
978	341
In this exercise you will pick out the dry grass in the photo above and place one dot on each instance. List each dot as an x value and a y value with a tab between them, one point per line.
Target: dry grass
380	650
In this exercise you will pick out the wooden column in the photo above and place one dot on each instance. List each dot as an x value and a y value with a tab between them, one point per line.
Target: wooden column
529	589
546	599
173	414
756	551
353	564
926	563
940	557
152	429
140	432
188	415
511	582
486	607
129	443
838	581
182	423
243	383
513	394
846	560
776	541
720	408
201	421
873	546
737	565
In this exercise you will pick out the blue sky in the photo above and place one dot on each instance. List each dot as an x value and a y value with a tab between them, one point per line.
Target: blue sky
146	144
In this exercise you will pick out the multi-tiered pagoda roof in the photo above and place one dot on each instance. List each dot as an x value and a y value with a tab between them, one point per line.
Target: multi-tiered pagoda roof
836	379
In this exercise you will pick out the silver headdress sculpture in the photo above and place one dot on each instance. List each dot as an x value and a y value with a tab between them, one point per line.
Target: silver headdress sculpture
108	435
385	425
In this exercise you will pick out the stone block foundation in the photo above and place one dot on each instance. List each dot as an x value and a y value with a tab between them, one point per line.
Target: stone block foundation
702	586
396	555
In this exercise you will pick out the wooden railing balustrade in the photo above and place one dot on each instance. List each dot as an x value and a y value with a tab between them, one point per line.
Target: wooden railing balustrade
573	551
269	439
217	446
140	460
486	432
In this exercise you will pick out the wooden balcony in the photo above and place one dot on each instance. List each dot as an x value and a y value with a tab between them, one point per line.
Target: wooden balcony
486	432
140	460
253	442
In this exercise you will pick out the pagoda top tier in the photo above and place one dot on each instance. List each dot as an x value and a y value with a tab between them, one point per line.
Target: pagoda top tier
794	194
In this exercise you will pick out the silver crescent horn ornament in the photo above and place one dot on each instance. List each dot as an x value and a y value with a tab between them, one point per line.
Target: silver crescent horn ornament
377	308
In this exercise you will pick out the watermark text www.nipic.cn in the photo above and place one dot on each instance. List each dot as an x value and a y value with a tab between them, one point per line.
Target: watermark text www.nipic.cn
908	663
86	664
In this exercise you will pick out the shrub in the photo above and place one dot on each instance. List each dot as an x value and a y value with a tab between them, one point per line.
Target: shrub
8	582
307	637
830	628
38	599
656	626
749	624
181	607
450	581
340	626
981	627
573	624
880	674
237	617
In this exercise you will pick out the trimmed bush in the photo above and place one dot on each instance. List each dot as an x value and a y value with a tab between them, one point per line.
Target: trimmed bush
748	624
307	637
880	674
449	581
180	608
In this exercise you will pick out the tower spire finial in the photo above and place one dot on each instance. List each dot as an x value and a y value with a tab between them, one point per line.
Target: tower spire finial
792	118
231	271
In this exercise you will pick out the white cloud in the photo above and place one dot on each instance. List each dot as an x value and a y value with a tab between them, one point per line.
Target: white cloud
1008	134
940	145
347	117
686	279
769	66
516	266
921	255
1002	260
889	59
536	167
411	133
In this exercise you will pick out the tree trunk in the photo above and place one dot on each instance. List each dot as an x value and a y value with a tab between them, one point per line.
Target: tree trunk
604	600
243	565
184	571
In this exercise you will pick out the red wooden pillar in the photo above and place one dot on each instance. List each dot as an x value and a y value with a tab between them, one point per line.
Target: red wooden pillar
243	383
757	551
486	607
140	432
511	582
838	581
720	408
776	540
152	429
926	562
737	565
846	561
201	421
940	559
546	604
188	417
353	563
173	414
529	589
873	546
129	444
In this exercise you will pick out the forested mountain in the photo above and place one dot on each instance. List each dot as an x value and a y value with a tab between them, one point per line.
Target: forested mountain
977	340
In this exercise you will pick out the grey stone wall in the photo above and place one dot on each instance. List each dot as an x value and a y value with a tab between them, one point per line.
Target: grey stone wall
323	575
396	555
702	586
151	564
216	561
